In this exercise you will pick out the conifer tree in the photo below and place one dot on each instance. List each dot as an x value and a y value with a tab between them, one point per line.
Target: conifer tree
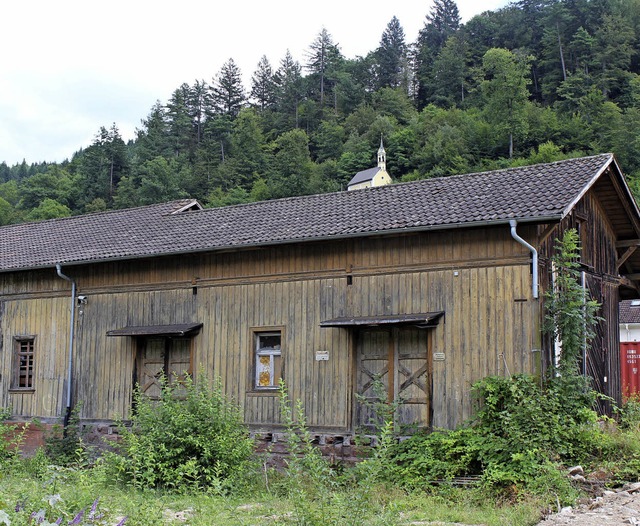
181	135
288	80
227	92
323	60
392	56
442	21
152	140
263	85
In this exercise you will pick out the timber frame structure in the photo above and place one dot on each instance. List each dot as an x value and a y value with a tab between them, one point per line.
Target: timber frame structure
421	287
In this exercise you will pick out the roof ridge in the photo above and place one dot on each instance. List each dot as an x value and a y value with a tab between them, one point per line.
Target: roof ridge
401	183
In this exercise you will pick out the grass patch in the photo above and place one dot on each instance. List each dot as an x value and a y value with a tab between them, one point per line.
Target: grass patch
78	490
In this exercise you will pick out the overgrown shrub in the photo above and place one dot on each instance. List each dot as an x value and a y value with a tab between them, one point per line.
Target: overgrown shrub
65	446
571	315
518	416
192	438
520	435
439	456
11	438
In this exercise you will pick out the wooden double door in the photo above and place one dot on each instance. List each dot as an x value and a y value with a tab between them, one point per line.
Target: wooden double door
162	357
393	364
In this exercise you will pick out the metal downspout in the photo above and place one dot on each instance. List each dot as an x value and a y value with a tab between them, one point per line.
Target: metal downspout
534	255
71	335
584	323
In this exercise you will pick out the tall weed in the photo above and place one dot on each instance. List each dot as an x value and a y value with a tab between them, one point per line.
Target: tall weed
11	439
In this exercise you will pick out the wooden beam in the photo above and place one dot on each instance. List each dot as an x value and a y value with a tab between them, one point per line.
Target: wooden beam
631	277
630	284
625	256
628	243
546	233
623	196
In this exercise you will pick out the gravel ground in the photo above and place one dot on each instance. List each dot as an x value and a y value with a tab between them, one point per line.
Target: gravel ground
613	507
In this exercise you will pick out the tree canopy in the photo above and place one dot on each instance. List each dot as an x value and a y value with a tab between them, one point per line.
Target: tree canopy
531	81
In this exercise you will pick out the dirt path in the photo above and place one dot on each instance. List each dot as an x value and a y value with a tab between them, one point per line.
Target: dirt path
613	507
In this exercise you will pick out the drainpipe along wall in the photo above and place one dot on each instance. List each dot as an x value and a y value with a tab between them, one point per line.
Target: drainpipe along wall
72	325
534	256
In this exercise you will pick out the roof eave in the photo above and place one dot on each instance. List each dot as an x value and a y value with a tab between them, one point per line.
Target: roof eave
396	231
622	189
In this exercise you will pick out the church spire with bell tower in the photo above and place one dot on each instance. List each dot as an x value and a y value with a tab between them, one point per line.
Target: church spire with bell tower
376	176
382	156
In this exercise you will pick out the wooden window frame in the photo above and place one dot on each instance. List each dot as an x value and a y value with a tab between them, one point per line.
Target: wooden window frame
20	370
257	351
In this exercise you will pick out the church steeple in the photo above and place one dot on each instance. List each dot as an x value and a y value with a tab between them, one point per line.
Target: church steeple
376	176
382	156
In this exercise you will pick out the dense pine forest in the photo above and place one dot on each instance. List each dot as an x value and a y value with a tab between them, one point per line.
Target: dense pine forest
536	81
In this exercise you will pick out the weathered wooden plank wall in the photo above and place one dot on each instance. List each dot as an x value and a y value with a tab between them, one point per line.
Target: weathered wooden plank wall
36	318
480	278
599	259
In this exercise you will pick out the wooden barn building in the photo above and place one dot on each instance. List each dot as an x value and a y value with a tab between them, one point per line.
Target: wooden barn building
428	286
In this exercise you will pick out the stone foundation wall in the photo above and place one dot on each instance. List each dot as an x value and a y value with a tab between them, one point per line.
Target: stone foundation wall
339	449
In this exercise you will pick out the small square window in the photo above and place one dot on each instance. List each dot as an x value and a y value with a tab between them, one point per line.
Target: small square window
23	365
268	360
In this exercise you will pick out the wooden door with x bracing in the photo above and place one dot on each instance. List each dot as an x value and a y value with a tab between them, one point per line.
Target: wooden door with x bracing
393	364
162	357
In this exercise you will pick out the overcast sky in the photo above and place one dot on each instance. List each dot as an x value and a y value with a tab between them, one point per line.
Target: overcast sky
70	66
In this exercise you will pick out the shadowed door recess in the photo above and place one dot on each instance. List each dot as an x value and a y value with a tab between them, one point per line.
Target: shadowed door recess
162	357
393	364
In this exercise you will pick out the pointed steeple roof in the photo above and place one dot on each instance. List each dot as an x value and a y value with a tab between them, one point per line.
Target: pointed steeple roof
382	156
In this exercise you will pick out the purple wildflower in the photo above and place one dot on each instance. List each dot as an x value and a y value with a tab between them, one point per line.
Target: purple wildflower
122	522
92	511
59	521
77	519
38	517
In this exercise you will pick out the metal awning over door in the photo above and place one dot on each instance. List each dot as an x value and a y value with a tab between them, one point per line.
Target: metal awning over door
424	320
175	330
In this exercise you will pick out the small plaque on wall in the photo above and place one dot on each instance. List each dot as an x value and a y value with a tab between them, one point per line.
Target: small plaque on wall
438	357
322	356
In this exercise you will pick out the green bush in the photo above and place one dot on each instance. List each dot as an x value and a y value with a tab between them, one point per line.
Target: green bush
65	446
629	413
11	438
519	416
192	438
520	435
438	456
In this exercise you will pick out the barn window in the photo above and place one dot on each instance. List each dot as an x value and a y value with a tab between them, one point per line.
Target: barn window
268	359
23	363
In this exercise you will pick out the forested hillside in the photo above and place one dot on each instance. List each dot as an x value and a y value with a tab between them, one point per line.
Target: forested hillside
536	81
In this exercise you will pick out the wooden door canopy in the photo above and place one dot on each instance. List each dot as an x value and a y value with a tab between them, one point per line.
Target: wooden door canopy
425	320
177	330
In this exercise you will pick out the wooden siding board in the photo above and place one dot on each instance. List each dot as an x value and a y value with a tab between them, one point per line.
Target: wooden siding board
297	287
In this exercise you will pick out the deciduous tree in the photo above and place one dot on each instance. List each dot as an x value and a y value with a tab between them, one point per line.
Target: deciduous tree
504	90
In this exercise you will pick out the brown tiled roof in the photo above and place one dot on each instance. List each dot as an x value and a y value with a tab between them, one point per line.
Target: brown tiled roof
528	193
